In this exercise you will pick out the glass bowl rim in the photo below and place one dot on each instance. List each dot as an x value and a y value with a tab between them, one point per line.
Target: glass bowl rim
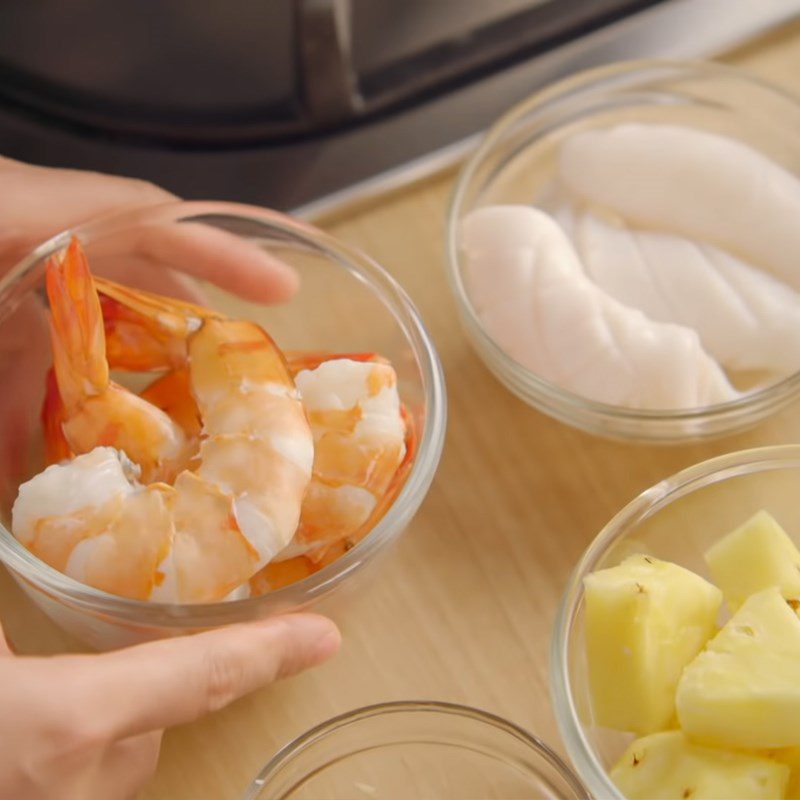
705	473
403	312
778	392
332	726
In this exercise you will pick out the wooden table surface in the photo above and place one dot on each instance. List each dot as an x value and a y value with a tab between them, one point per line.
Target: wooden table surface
462	609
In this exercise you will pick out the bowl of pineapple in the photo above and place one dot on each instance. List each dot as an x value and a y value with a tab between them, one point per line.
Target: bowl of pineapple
675	661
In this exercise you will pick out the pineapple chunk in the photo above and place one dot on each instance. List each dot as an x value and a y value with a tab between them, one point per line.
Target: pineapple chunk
744	689
645	620
666	766
755	556
791	757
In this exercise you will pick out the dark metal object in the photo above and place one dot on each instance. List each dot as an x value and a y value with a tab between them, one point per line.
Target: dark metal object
219	101
323	44
311	38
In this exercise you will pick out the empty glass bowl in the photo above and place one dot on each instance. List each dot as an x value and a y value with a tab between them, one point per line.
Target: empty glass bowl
676	520
515	163
346	303
416	751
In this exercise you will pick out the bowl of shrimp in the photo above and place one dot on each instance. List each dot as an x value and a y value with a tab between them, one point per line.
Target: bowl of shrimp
622	249
178	456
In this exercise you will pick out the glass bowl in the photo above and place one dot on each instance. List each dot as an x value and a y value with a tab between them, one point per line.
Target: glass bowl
677	520
431	750
346	303
516	159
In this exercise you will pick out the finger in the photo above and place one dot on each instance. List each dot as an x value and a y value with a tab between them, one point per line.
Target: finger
151	276
174	681
50	200
127	766
229	261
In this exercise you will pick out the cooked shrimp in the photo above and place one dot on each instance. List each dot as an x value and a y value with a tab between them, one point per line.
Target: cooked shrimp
279	573
206	535
56	446
359	434
363	444
94	410
172	392
359	443
358	463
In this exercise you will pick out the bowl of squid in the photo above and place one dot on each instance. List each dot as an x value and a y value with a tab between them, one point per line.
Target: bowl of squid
177	457
622	248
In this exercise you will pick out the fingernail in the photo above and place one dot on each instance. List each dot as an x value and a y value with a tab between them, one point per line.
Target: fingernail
285	281
328	645
321	636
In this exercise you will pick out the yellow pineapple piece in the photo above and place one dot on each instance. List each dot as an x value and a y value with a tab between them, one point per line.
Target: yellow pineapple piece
666	766
645	620
791	757
755	556
744	689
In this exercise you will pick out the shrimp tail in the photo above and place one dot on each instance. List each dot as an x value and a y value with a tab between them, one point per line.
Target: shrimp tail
76	326
53	415
166	313
135	346
146	331
88	409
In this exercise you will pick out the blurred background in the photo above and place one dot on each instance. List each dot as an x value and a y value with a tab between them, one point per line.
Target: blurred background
288	103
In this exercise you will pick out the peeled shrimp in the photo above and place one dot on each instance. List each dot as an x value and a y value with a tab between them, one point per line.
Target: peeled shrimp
692	183
528	287
352	405
92	409
219	523
746	319
383	483
362	435
360	442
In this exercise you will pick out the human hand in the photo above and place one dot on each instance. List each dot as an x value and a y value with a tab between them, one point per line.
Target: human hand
84	727
37	203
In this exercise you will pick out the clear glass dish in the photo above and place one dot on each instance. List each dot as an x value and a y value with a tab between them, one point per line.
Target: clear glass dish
677	520
416	751
516	159
346	303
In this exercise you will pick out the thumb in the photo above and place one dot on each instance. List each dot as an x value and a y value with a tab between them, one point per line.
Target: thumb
170	682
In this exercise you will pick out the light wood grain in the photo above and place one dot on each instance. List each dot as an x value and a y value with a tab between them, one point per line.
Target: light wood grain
462	609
